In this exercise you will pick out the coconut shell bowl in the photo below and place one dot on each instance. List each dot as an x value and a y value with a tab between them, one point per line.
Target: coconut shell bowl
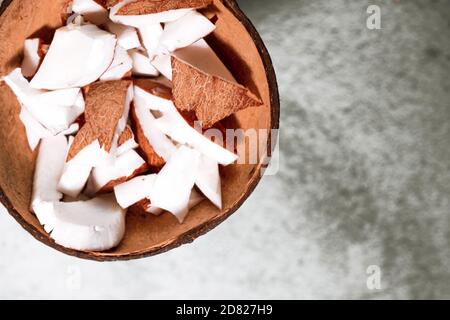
240	47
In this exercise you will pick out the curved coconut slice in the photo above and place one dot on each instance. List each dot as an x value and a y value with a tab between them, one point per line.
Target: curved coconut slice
109	98
120	67
127	37
49	167
94	225
147	132
120	14
185	31
91	11
126	167
208	180
142	118
142	65
151	35
78	56
55	110
34	130
32	56
135	190
126	142
173	124
152	95
173	185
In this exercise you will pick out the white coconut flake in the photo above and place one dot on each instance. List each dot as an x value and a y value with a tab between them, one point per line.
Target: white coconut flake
55	110
94	225
91	10
135	190
174	125
78	56
142	65
31	58
124	166
208	180
162	145
151	35
127	37
163	63
76	172
201	56
173	185
121	65
185	31
49	167
150	101
128	145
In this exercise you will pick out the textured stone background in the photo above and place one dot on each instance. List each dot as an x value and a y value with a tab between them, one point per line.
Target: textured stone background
364	177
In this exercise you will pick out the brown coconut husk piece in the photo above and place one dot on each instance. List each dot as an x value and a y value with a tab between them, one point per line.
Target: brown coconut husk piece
236	42
126	135
210	97
105	102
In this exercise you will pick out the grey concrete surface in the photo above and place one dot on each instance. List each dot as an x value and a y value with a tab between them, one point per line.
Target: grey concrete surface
364	177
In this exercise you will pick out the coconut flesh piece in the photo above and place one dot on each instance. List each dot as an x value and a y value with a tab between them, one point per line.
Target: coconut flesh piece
208	180
210	96
31	57
173	124
127	37
134	190
126	166
161	144
149	25
188	33
151	35
120	67
185	31
55	110
96	142
89	50
93	225
142	20
49	167
199	55
173	184
91	11
195	199
76	172
142	65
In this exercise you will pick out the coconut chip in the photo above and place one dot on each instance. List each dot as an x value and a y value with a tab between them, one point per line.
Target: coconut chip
145	7
105	104
211	97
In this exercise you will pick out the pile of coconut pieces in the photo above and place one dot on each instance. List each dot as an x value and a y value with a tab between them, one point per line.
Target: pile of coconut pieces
111	104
